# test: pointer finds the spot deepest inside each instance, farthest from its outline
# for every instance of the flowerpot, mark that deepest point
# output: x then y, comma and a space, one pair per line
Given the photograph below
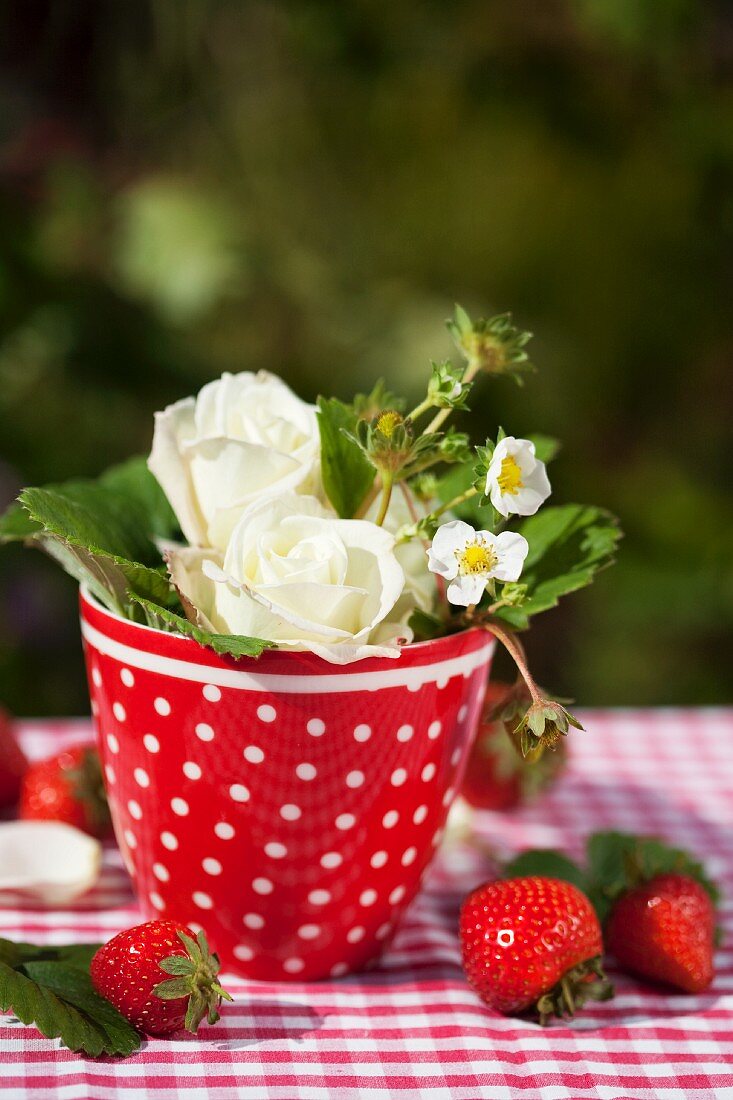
288, 805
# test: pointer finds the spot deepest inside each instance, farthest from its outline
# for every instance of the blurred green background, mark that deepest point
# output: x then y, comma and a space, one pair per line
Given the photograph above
189, 186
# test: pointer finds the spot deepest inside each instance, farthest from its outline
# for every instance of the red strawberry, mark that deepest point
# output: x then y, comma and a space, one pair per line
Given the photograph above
13, 763
497, 777
664, 929
160, 977
67, 787
533, 943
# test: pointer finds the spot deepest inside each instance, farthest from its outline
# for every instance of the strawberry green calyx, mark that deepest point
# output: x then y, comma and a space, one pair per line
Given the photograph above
543, 724
585, 982
193, 976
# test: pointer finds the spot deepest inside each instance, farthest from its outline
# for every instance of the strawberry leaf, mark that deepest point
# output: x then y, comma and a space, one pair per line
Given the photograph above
547, 863
74, 954
60, 1000
347, 474
234, 645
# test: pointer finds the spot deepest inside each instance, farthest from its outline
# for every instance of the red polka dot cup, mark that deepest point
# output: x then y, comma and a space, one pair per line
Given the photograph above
288, 805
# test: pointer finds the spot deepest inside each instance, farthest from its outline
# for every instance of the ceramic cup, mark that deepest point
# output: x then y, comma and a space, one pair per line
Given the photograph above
287, 805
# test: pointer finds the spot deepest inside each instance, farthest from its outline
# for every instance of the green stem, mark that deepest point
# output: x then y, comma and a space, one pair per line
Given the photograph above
420, 409
472, 491
387, 483
516, 651
474, 366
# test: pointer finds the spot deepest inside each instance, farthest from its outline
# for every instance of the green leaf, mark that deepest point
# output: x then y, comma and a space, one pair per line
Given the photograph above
618, 861
232, 644
425, 626
62, 1003
133, 480
547, 863
347, 474
16, 525
568, 545
16, 954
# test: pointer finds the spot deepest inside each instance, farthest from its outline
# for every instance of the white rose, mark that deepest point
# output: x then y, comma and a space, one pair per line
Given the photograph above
244, 437
295, 574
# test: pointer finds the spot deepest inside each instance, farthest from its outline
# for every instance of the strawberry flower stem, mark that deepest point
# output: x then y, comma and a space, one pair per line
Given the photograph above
387, 483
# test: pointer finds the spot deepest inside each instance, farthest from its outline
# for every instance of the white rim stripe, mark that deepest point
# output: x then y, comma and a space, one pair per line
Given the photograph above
411, 678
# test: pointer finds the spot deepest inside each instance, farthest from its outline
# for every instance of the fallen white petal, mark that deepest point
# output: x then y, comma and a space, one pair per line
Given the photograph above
47, 861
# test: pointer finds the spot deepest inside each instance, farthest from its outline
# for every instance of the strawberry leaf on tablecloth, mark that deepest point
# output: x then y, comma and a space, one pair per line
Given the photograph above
546, 863
60, 1000
347, 474
232, 644
16, 954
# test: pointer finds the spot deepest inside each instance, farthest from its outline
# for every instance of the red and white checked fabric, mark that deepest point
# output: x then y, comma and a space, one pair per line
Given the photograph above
412, 1027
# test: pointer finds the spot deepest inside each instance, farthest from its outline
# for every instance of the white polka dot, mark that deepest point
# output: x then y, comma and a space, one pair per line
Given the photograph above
224, 830
162, 706
404, 733
127, 678
211, 866
290, 812
239, 792
362, 733
294, 965
135, 809
211, 692
319, 897
345, 821
191, 770
368, 897
408, 856
112, 743
428, 772
110, 773
179, 806
93, 706
354, 935
397, 895
204, 732
156, 901
119, 712
266, 713
434, 730
390, 819
130, 838
456, 756
339, 969
169, 841
398, 777
275, 850
254, 754
161, 872
379, 859
331, 859
241, 951
438, 837
141, 777
462, 713
195, 927
202, 900
262, 886
448, 796
254, 920
309, 931
306, 771
383, 931
151, 742
96, 677
316, 727
420, 814
355, 779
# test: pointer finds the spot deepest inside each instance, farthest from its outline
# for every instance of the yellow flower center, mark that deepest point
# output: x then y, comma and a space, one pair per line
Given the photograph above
510, 478
388, 421
476, 557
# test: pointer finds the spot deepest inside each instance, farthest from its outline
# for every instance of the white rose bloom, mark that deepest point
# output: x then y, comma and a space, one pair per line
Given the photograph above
295, 574
419, 585
516, 482
469, 559
245, 436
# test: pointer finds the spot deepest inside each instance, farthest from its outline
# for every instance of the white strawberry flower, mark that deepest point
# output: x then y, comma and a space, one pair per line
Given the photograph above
516, 482
469, 559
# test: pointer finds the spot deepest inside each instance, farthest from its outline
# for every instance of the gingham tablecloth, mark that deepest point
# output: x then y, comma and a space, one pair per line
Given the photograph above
412, 1027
